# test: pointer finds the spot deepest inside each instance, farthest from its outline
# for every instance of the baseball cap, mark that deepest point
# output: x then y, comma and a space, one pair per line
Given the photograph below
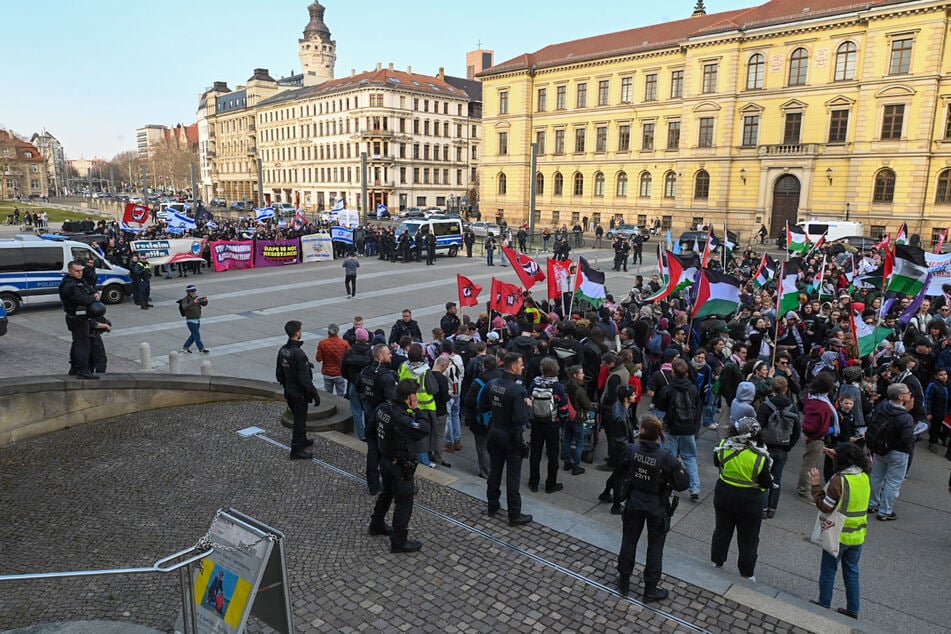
493, 336
835, 341
362, 334
191, 288
792, 315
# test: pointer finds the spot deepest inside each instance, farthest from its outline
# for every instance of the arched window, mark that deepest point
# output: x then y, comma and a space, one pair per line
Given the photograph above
943, 195
670, 185
645, 188
599, 184
559, 184
621, 184
884, 191
756, 72
701, 185
539, 183
845, 57
579, 184
798, 65
503, 183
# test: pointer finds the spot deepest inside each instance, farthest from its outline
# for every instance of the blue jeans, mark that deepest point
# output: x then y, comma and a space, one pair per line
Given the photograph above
334, 383
709, 409
573, 433
194, 336
771, 497
685, 447
888, 471
453, 423
488, 256
357, 410
849, 556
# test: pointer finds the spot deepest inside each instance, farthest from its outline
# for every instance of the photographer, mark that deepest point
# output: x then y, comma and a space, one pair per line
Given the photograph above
191, 306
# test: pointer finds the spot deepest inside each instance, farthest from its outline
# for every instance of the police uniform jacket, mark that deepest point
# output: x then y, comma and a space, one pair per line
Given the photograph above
295, 372
75, 295
399, 428
653, 472
505, 397
377, 384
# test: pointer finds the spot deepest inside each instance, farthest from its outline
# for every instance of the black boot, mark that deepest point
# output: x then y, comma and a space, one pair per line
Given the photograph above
653, 593
623, 584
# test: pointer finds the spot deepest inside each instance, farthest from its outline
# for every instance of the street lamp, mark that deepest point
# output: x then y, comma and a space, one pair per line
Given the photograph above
847, 210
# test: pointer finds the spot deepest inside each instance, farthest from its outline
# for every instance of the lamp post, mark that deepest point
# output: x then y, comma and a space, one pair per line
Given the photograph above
847, 211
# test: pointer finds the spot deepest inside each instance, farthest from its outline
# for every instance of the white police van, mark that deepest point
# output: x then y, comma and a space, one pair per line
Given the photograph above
32, 268
448, 232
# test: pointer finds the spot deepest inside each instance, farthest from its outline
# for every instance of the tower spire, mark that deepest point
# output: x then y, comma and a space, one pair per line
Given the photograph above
318, 53
699, 9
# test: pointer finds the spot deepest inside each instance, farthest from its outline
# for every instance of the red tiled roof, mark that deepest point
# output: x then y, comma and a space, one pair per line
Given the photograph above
667, 34
21, 147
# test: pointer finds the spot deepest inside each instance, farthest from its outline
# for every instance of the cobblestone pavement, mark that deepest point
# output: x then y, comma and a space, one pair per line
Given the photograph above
128, 491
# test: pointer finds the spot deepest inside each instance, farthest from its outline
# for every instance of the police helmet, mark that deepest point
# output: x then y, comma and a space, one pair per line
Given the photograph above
96, 309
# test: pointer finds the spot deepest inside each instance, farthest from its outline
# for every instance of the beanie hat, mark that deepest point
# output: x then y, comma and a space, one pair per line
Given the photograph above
362, 334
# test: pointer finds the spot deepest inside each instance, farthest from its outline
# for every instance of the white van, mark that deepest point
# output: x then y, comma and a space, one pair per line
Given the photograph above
32, 268
834, 229
448, 232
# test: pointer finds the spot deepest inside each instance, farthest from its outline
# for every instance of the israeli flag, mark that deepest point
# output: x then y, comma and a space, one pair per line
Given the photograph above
175, 229
341, 234
180, 220
125, 227
211, 225
264, 213
380, 210
338, 206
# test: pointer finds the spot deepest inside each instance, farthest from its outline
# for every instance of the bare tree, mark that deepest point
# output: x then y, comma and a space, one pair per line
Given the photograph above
125, 168
171, 164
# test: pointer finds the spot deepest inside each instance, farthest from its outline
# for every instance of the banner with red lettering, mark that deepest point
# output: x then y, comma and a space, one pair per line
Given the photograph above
276, 252
232, 254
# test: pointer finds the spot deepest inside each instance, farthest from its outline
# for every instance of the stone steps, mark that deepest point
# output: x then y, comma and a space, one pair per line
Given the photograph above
333, 414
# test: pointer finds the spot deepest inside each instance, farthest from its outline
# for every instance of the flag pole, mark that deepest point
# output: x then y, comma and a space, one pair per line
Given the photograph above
779, 304
574, 284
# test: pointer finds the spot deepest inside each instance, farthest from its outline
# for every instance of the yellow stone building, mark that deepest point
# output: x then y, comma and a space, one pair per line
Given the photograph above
746, 117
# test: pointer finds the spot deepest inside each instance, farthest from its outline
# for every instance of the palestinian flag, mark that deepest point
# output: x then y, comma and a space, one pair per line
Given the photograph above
902, 236
849, 269
681, 271
819, 278
909, 272
731, 240
872, 279
787, 297
819, 243
662, 263
867, 336
796, 239
766, 271
717, 294
884, 244
708, 249
590, 285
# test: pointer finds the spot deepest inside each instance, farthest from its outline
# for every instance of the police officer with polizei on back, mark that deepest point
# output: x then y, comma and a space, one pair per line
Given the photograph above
296, 374
376, 385
400, 425
76, 295
651, 473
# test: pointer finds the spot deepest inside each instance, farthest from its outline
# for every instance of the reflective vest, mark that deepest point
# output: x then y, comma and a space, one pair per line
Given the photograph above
426, 400
740, 468
853, 504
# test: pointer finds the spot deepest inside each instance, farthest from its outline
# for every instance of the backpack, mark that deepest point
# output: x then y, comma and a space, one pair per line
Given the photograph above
682, 407
483, 418
656, 344
543, 403
780, 425
455, 382
181, 307
881, 436
572, 412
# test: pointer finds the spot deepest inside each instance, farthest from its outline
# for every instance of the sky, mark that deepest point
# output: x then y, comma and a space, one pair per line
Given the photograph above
92, 71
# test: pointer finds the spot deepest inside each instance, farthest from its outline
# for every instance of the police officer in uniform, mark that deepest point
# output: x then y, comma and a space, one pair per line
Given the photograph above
431, 249
651, 472
76, 296
142, 277
377, 384
399, 427
296, 374
505, 398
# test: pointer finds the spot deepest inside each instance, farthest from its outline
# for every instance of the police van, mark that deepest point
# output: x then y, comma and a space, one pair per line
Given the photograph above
833, 229
448, 232
32, 268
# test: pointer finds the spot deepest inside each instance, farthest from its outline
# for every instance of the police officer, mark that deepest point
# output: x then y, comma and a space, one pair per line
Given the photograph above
76, 296
505, 398
399, 427
377, 384
468, 239
651, 472
296, 374
430, 248
142, 276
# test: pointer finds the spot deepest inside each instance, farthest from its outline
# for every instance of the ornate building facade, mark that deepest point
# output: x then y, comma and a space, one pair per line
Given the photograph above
753, 116
22, 169
52, 150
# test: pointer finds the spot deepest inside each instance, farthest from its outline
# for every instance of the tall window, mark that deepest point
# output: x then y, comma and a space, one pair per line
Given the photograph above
559, 184
845, 59
892, 122
701, 185
539, 183
624, 135
645, 185
673, 135
647, 138
947, 124
599, 184
943, 195
504, 102
582, 99
503, 183
676, 84
900, 63
710, 77
792, 128
798, 67
884, 189
750, 130
756, 72
561, 95
670, 185
579, 184
579, 139
503, 143
838, 126
540, 141
621, 185
650, 87
559, 141
542, 101
603, 90
627, 84
601, 139
706, 132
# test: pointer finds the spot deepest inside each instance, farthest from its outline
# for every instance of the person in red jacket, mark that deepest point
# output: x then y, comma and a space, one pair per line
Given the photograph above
330, 353
818, 418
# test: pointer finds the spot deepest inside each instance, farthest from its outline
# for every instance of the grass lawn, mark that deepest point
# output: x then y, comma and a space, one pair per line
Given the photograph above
56, 215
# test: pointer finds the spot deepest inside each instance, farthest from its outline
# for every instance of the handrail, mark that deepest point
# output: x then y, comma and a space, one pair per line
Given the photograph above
158, 566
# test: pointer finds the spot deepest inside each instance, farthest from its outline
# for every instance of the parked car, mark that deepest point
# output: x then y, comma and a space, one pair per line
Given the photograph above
219, 202
412, 212
3, 320
239, 205
859, 242
688, 238
483, 229
283, 209
625, 231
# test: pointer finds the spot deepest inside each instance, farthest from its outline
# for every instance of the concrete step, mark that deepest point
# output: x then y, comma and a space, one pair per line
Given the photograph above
333, 414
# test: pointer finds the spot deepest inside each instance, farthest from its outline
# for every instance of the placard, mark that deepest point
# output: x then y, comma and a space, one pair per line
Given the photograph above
232, 254
170, 251
276, 252
316, 248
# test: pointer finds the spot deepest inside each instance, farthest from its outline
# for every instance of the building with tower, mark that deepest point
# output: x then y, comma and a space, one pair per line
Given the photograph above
318, 53
52, 150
